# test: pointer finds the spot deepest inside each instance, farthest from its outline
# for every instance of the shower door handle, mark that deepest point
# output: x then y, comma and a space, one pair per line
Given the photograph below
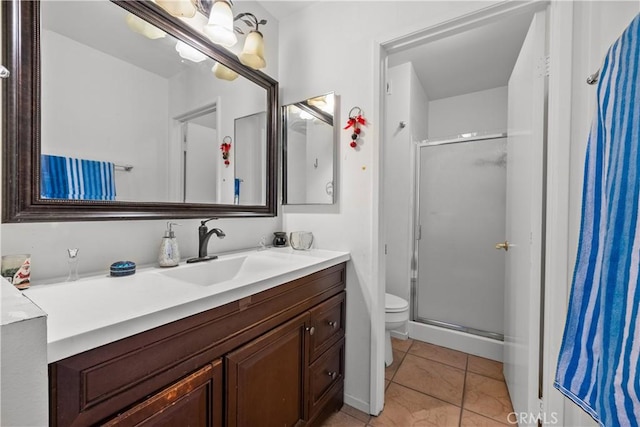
503, 245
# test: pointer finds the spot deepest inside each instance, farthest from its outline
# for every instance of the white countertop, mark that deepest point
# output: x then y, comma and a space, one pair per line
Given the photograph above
99, 310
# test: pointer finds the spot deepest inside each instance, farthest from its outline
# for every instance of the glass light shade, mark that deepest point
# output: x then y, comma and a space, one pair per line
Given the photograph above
141, 26
180, 8
224, 73
219, 29
187, 52
253, 52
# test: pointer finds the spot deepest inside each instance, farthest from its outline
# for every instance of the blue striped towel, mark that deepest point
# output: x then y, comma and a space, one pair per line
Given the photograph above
76, 179
599, 364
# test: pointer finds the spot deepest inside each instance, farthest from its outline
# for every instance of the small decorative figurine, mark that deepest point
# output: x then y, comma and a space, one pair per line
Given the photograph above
226, 147
355, 120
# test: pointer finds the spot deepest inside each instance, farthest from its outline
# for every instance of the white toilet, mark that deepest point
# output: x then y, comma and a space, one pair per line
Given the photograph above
396, 314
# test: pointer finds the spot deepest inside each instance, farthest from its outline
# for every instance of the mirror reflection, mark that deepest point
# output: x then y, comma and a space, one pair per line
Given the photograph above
309, 151
129, 113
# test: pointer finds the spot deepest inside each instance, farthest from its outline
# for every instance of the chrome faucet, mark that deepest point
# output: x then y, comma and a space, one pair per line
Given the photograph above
204, 234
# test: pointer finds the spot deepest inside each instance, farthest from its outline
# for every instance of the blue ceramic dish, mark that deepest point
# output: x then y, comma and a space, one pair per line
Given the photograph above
122, 268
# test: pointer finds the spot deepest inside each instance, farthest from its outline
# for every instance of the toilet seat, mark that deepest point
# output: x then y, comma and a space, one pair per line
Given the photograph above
394, 304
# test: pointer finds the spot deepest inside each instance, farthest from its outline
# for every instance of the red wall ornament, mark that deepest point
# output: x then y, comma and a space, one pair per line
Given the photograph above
226, 147
356, 120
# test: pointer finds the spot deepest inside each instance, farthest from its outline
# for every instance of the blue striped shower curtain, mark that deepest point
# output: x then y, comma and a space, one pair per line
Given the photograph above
598, 366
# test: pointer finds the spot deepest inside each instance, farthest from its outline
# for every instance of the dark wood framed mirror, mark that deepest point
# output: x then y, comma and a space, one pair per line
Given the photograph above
27, 127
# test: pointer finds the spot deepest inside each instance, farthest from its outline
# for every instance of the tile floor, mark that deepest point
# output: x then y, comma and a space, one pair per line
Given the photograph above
428, 385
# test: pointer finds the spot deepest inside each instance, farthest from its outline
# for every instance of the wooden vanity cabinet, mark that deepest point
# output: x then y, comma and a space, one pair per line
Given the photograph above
272, 358
292, 375
194, 401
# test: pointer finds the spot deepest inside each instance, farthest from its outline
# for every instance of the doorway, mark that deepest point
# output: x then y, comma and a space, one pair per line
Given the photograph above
400, 139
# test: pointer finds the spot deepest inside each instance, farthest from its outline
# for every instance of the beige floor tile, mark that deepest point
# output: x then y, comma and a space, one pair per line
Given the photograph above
486, 367
487, 397
454, 358
342, 419
405, 408
390, 371
471, 419
430, 377
402, 345
355, 413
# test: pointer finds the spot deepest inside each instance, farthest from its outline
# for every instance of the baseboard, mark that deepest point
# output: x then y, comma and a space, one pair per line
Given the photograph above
357, 403
400, 335
461, 341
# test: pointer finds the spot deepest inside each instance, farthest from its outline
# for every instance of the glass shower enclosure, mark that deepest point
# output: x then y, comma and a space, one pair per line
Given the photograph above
459, 275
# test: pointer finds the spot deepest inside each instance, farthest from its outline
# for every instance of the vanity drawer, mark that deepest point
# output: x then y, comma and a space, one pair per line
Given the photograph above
327, 320
325, 375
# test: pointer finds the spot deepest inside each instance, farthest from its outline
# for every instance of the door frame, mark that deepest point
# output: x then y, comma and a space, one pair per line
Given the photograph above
558, 161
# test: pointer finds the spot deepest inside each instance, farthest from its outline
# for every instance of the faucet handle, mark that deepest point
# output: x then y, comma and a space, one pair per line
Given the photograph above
204, 221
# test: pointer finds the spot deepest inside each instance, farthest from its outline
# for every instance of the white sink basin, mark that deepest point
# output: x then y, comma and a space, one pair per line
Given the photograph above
207, 273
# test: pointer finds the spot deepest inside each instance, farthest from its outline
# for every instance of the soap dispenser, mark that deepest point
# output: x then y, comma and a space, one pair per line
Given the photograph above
169, 255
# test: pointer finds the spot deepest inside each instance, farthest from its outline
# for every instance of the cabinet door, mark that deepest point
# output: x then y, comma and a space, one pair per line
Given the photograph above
193, 401
266, 379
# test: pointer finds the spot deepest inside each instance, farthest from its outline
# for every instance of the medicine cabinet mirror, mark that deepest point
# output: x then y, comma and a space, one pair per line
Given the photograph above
309, 151
112, 111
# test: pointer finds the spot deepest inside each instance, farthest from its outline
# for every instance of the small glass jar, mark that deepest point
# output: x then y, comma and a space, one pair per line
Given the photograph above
279, 239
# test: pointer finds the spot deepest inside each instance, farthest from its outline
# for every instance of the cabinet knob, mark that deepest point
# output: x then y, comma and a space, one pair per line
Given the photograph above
333, 324
311, 330
333, 375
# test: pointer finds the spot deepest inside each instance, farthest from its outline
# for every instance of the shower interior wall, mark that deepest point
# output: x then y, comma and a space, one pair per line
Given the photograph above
406, 103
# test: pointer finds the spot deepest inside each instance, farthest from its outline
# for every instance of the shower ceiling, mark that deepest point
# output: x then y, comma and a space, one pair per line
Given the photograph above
471, 61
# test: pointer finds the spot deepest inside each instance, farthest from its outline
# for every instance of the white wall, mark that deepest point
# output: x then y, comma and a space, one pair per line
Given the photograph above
484, 111
596, 26
122, 121
326, 47
407, 102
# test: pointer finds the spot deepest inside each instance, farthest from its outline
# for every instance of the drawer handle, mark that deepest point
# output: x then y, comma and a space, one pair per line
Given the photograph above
311, 330
333, 375
333, 324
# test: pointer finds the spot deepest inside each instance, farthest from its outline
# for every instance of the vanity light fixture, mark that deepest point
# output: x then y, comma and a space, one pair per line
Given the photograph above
178, 8
187, 52
220, 28
141, 26
224, 73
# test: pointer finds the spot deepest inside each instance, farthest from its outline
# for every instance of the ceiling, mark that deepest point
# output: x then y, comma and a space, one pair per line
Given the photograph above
470, 61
